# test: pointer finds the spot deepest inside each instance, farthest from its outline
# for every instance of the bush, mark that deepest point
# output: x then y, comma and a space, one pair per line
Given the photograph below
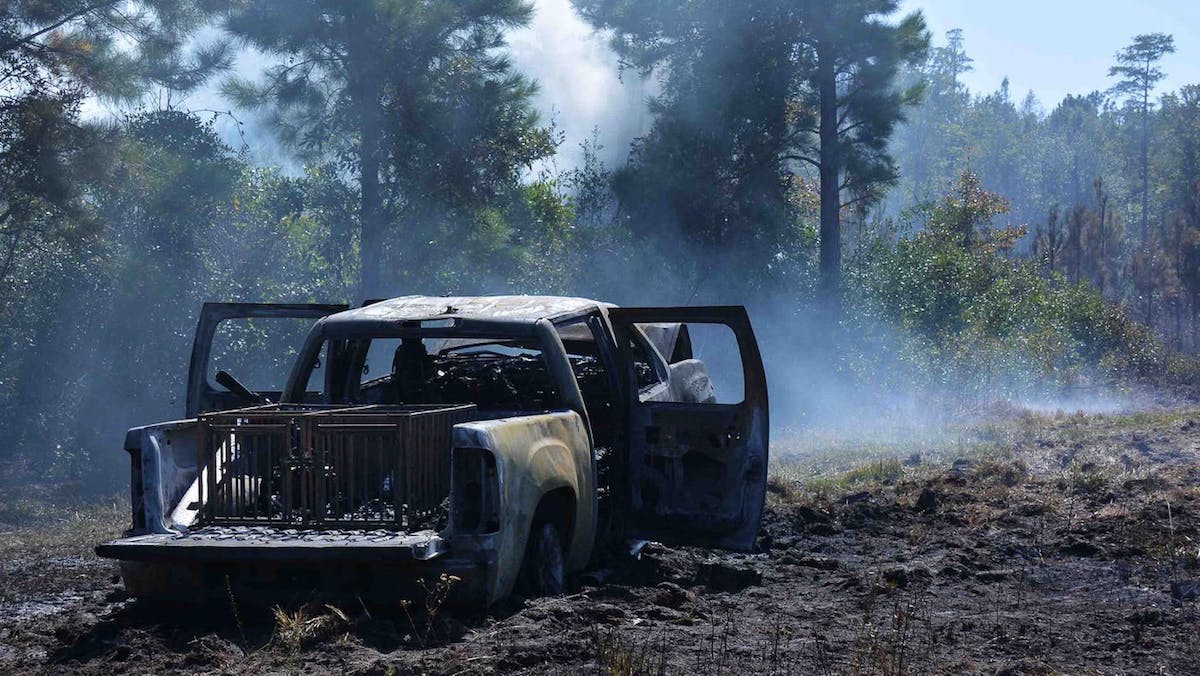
977, 322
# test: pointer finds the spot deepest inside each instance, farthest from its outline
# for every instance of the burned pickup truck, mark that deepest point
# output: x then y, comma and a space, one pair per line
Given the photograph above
502, 440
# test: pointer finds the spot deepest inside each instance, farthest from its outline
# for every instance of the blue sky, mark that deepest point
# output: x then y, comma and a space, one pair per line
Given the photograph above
1059, 47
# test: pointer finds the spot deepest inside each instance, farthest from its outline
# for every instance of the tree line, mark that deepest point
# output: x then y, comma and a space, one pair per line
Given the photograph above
1106, 184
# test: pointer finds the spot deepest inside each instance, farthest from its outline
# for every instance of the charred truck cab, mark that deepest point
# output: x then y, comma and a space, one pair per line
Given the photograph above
500, 440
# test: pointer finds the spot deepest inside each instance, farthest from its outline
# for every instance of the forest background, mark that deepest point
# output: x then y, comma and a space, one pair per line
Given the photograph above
910, 249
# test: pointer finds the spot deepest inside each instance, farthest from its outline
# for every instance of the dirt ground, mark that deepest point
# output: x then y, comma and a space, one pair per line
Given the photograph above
1037, 544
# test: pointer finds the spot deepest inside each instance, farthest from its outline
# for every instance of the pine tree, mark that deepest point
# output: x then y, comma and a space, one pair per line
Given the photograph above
755, 94
855, 55
1137, 67
386, 88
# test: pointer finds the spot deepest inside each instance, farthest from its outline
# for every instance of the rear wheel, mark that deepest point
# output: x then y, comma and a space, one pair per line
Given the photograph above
542, 571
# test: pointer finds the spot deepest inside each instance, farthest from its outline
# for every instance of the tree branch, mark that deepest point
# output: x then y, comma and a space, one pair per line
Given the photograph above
9, 46
846, 130
861, 198
802, 158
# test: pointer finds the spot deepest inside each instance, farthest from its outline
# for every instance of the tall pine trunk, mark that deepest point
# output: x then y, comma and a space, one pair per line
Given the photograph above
1146, 244
1145, 166
367, 98
370, 215
830, 170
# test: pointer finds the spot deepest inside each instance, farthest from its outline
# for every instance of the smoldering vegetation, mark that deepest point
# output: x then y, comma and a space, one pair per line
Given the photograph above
957, 294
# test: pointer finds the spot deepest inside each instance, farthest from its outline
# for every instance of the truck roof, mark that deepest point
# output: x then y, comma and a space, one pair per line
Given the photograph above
516, 309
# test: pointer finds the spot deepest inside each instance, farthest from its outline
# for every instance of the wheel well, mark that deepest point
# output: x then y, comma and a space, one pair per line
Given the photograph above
557, 508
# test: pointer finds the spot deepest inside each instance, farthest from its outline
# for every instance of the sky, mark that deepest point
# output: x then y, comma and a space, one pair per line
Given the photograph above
1060, 47
1050, 47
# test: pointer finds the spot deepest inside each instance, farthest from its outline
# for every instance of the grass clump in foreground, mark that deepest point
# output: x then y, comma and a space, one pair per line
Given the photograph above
304, 626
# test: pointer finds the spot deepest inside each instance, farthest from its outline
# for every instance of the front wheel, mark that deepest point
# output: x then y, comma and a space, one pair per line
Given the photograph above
542, 570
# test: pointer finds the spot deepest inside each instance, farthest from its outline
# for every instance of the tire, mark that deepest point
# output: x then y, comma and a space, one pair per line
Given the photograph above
542, 571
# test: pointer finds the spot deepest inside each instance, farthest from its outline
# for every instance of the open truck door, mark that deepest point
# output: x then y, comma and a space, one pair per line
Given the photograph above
214, 381
697, 466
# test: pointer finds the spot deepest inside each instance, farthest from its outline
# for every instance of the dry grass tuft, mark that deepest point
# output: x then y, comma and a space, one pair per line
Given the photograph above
300, 628
618, 655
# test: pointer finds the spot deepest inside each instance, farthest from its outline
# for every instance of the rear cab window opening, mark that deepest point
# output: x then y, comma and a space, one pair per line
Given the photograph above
498, 373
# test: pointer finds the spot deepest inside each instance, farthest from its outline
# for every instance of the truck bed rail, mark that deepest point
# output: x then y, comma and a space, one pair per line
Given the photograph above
306, 466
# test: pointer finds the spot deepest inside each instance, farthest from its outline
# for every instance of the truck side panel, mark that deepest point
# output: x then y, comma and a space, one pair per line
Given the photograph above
165, 457
536, 454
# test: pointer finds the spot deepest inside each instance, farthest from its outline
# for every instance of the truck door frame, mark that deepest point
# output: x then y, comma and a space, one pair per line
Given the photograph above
664, 500
202, 397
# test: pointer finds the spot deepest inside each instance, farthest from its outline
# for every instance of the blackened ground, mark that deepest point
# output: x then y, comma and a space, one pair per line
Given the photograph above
1037, 545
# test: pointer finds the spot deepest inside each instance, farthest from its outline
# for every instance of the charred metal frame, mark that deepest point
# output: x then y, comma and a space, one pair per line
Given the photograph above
664, 498
200, 392
310, 466
309, 484
542, 332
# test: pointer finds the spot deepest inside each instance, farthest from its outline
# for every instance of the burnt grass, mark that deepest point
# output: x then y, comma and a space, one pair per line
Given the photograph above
1036, 544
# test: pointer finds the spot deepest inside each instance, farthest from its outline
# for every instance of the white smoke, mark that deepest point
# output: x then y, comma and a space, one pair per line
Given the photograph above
582, 86
582, 90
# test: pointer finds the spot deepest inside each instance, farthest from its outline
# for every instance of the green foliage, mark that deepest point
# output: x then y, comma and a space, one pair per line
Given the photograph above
979, 323
100, 336
1105, 182
53, 165
420, 103
53, 53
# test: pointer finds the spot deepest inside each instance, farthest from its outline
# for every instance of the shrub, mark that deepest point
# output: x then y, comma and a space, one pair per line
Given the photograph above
978, 323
